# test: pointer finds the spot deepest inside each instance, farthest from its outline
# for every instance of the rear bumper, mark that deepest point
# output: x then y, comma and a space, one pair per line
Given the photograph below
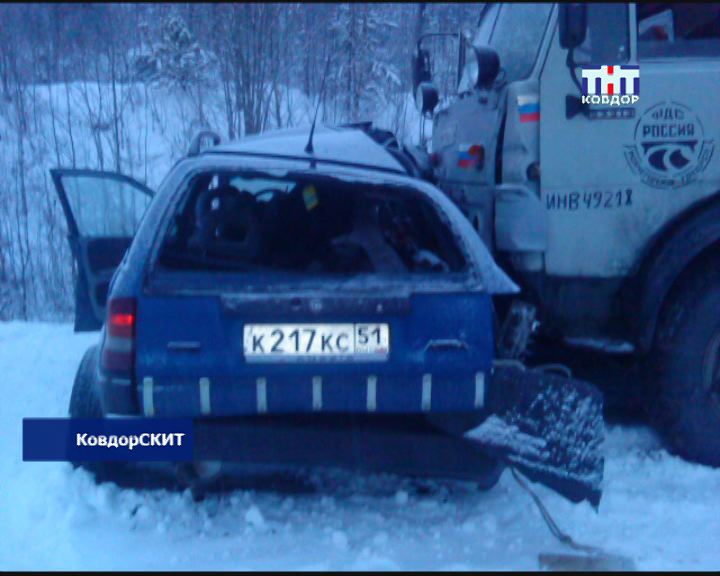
353, 393
117, 396
549, 427
359, 393
405, 445
256, 447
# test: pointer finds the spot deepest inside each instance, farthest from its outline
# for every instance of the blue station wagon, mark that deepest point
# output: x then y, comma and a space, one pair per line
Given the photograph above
270, 285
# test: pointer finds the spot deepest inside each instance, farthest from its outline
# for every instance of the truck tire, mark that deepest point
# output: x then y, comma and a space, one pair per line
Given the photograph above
85, 403
685, 369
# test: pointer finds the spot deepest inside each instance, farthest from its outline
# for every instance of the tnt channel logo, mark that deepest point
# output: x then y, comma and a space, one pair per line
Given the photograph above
613, 85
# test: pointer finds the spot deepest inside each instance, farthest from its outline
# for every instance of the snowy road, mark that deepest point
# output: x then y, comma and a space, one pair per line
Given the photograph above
656, 509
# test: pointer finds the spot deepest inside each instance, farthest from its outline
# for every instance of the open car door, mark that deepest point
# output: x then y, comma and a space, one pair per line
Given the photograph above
103, 211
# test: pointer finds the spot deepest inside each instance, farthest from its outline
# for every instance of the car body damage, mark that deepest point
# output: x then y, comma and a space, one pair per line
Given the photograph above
268, 287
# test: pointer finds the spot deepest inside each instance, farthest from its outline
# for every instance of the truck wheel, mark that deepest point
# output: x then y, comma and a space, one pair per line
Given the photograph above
685, 371
85, 403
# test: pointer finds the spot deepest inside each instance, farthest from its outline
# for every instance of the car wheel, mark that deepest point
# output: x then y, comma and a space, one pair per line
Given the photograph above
85, 403
685, 370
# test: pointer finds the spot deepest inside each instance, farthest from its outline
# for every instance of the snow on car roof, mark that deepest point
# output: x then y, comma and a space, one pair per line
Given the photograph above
349, 146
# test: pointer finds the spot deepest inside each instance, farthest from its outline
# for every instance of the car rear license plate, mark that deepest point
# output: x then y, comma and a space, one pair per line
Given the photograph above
263, 342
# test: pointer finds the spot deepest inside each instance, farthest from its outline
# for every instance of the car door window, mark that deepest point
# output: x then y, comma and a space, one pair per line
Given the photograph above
103, 210
105, 207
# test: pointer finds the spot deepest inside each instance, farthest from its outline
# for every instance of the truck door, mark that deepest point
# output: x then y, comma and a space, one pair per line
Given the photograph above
585, 184
103, 211
614, 174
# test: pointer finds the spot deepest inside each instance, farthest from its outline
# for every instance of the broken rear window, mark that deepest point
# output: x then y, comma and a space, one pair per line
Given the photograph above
307, 225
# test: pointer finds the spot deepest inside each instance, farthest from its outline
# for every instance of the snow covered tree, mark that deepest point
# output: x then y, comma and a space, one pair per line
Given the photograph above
177, 58
364, 33
125, 86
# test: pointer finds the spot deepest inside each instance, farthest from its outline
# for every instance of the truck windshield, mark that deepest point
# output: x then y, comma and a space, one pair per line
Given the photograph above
515, 35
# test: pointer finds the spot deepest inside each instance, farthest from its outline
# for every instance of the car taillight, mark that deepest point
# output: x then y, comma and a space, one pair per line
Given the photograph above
118, 354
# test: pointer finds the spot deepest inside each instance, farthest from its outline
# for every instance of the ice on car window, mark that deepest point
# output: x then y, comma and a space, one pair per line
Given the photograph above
310, 226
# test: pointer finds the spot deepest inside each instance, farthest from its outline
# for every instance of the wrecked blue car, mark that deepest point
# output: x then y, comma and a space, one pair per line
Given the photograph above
312, 304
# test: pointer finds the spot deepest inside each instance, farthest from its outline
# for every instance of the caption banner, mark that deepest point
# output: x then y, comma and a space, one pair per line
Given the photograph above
111, 439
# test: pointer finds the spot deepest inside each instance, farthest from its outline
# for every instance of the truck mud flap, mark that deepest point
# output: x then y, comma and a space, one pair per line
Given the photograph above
549, 427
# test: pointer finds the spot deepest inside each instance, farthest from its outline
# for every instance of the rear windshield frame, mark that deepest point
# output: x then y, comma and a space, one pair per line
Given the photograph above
160, 277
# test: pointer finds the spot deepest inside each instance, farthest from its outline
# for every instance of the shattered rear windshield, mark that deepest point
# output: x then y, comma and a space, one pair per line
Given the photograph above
309, 226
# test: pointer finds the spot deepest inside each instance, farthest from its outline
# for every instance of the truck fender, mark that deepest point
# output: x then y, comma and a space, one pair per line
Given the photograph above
521, 221
678, 245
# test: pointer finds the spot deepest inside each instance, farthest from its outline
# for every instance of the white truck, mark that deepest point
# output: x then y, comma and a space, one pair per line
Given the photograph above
581, 145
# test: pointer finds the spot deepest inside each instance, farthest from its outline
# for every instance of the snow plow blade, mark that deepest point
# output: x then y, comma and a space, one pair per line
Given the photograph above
547, 426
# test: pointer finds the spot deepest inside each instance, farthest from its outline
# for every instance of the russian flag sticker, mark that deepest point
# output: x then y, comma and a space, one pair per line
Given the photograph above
528, 108
471, 156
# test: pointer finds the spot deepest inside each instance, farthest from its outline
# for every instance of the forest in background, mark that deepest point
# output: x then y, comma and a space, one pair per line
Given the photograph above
124, 87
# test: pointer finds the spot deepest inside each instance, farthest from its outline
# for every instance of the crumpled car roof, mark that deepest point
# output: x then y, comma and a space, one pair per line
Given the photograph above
338, 145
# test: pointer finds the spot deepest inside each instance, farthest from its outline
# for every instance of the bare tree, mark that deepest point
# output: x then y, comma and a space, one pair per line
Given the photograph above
79, 86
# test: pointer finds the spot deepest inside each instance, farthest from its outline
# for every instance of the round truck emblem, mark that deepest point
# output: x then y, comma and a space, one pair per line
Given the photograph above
669, 150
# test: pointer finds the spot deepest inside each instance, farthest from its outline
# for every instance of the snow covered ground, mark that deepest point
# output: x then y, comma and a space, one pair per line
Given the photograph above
657, 509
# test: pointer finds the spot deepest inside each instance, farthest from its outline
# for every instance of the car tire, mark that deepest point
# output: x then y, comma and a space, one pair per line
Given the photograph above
85, 403
84, 400
684, 371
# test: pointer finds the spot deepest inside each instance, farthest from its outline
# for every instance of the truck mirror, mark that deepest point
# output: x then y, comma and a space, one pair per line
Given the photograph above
572, 21
420, 67
426, 98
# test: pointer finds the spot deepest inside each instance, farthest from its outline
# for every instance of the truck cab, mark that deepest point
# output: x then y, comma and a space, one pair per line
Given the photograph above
581, 144
571, 196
